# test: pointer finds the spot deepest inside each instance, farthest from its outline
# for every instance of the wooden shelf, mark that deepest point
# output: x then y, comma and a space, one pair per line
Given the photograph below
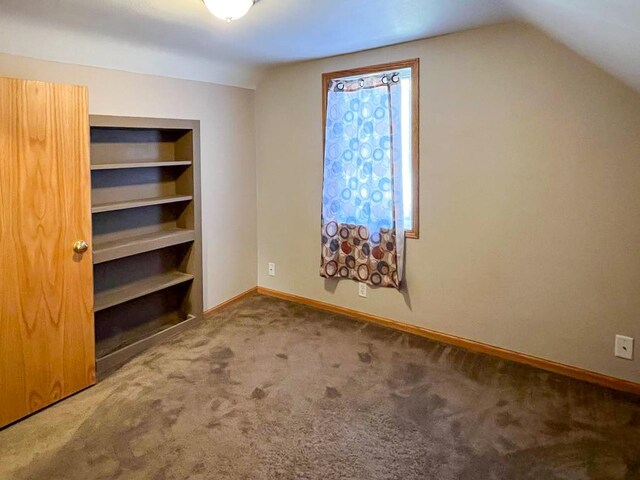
143, 202
127, 348
116, 296
117, 166
114, 249
147, 254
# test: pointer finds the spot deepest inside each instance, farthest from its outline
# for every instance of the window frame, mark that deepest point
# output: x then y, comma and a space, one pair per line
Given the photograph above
414, 64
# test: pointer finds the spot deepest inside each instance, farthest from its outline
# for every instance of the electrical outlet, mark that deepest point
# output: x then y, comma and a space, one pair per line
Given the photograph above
362, 289
272, 269
624, 347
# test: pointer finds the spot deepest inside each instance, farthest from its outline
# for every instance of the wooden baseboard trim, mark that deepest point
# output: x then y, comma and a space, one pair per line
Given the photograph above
229, 302
544, 364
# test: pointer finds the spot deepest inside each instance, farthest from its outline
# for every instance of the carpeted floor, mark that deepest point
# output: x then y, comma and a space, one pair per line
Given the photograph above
272, 390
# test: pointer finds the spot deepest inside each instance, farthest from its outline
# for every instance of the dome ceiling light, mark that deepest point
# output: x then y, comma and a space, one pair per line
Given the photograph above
229, 10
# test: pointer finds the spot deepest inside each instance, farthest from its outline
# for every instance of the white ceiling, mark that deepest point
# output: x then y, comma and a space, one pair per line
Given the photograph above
179, 38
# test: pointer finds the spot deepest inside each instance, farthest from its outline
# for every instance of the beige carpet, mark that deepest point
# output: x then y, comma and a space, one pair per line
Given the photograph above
272, 390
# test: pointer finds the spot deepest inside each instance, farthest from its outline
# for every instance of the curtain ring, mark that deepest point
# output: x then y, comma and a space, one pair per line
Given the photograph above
340, 86
395, 78
385, 79
362, 82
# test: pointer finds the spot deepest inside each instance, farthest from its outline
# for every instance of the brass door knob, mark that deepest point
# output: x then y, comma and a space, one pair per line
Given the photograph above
80, 246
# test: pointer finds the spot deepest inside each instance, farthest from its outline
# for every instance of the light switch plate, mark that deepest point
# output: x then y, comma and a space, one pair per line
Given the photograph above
624, 347
362, 289
272, 269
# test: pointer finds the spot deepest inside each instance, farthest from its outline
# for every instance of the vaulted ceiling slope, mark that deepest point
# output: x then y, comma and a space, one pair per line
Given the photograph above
179, 38
605, 31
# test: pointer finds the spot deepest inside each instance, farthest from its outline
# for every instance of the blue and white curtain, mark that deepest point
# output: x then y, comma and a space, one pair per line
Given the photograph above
362, 211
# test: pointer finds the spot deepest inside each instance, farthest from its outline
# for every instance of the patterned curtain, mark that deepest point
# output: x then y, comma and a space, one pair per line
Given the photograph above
362, 214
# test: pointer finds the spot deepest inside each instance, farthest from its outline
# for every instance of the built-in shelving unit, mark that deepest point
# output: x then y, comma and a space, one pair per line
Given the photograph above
145, 188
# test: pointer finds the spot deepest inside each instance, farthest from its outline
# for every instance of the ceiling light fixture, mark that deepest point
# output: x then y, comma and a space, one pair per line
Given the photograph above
229, 10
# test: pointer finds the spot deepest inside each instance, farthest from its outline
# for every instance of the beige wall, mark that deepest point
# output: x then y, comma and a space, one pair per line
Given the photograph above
228, 154
530, 196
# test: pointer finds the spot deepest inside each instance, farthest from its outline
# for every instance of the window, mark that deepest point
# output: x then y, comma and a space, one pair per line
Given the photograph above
409, 117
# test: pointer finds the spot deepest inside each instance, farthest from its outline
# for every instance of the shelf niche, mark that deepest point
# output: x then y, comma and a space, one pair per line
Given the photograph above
146, 233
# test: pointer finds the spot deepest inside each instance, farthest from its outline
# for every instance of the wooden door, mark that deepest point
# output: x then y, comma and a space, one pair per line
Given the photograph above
46, 289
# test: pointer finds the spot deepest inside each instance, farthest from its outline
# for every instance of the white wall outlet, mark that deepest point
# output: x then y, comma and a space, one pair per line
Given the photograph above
272, 269
362, 289
624, 347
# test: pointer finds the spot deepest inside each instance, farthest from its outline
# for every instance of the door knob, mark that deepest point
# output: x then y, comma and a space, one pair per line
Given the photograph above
80, 246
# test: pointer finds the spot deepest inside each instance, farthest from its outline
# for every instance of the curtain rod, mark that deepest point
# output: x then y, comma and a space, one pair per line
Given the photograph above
395, 78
